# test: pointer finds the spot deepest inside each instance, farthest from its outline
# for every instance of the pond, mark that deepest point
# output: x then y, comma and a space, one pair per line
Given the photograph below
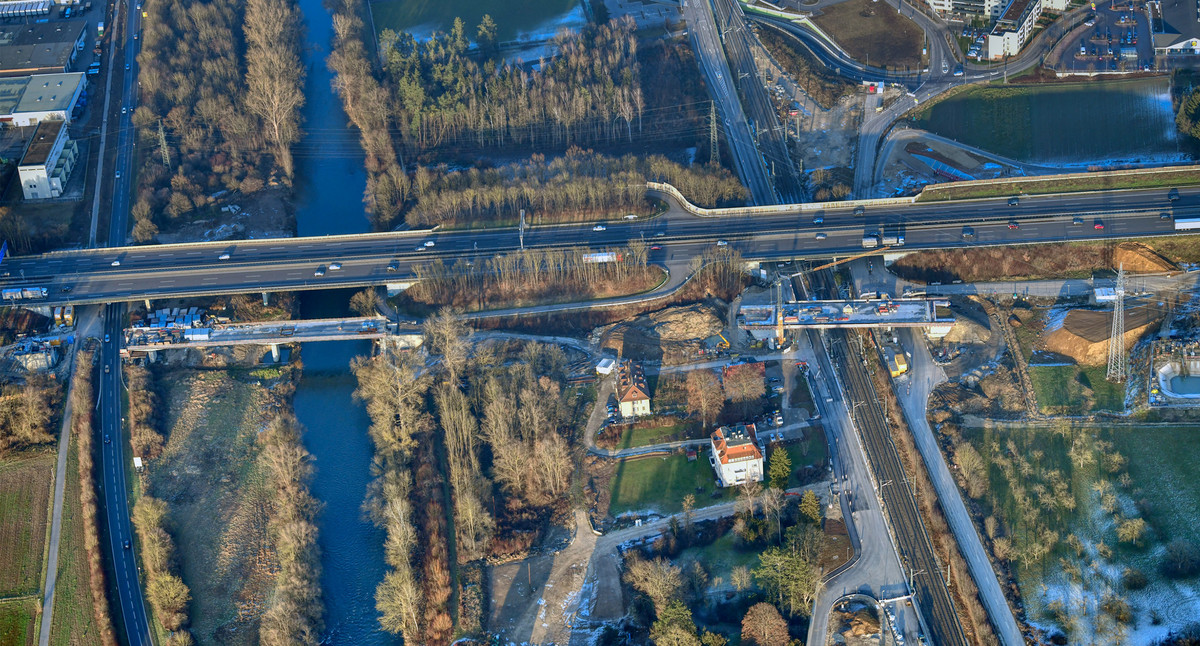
1125, 121
525, 20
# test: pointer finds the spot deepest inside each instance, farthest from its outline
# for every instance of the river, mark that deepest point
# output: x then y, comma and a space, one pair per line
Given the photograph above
330, 181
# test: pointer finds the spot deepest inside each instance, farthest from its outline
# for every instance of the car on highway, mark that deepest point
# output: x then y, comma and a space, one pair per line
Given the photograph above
1013, 225
817, 221
599, 227
126, 544
107, 369
394, 265
660, 234
106, 338
429, 243
656, 247
1013, 201
945, 67
118, 174
1098, 225
722, 243
116, 263
821, 236
968, 233
223, 256
1164, 216
320, 271
66, 289
124, 110
1173, 194
958, 71
126, 67
107, 439
334, 266
1077, 221
859, 210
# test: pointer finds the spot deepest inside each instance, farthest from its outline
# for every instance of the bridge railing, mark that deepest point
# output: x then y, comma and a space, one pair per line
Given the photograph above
777, 209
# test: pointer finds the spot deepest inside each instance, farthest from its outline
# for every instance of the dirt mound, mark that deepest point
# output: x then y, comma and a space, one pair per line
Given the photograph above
1084, 334
1139, 258
694, 322
967, 331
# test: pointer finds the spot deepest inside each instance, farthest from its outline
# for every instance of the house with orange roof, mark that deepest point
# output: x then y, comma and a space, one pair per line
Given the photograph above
735, 456
633, 396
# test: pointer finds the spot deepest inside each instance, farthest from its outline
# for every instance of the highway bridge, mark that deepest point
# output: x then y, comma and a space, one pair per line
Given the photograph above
248, 266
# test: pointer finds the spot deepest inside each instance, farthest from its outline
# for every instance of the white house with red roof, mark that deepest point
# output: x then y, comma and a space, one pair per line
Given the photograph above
736, 456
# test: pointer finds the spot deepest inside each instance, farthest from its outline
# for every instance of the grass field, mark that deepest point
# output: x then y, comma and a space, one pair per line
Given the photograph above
1167, 477
721, 556
632, 437
74, 621
873, 33
657, 483
17, 622
1075, 390
214, 485
816, 451
1049, 184
801, 396
25, 489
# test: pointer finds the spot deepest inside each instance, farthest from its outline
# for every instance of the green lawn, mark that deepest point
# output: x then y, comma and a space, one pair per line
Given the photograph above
1163, 464
661, 484
17, 622
801, 395
1074, 390
632, 437
25, 490
817, 452
720, 556
73, 618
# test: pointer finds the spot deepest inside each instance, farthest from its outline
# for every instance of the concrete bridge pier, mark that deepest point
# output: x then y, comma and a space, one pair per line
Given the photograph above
267, 300
274, 346
148, 307
151, 356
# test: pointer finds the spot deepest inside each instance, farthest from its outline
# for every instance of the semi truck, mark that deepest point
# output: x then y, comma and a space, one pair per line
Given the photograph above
23, 293
1187, 224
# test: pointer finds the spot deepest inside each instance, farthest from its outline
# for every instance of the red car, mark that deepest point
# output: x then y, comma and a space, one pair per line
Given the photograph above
656, 248
1098, 225
1013, 225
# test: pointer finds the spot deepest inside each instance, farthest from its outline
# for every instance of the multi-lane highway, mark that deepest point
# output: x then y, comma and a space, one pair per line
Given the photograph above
291, 264
706, 41
133, 623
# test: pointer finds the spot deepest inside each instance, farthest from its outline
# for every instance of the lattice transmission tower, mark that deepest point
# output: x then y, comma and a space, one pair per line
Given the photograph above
1118, 362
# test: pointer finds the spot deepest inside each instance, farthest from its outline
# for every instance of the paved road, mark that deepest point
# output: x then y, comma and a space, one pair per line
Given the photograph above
877, 569
130, 605
706, 42
86, 321
770, 138
289, 264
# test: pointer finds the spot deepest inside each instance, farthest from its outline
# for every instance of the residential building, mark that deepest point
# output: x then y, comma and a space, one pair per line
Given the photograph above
735, 455
1012, 30
989, 9
48, 161
633, 396
41, 47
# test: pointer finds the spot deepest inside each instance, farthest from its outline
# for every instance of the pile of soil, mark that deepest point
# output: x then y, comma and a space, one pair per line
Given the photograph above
967, 331
1084, 334
1139, 258
670, 335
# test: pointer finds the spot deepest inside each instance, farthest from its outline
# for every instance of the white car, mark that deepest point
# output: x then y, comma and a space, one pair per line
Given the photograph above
429, 243
599, 227
821, 236
722, 243
631, 217
334, 266
116, 263
223, 256
320, 271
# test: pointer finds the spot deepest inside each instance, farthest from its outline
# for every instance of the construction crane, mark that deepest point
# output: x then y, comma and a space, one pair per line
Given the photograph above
873, 252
